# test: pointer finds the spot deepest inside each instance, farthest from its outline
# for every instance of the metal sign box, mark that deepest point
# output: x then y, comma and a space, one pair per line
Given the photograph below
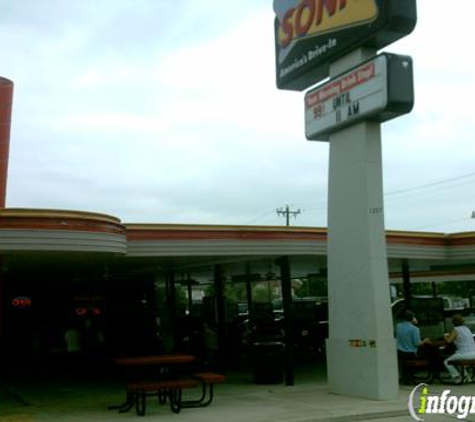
379, 89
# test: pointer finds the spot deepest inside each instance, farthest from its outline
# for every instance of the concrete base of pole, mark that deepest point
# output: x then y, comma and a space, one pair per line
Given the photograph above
363, 371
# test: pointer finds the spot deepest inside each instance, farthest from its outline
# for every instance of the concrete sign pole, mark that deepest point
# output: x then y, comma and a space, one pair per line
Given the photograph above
361, 350
312, 39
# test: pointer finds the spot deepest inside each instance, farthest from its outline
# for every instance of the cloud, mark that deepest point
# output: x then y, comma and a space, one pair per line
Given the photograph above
168, 111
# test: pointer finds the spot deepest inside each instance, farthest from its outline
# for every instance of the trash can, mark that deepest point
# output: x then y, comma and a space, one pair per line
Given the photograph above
268, 362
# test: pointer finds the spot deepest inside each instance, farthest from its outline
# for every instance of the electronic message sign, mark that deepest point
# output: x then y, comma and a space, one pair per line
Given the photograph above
309, 34
379, 89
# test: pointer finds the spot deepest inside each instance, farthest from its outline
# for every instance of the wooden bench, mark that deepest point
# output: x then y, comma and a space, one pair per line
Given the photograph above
138, 392
465, 366
207, 381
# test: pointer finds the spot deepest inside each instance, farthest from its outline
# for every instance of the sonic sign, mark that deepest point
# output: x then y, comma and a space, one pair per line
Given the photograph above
309, 34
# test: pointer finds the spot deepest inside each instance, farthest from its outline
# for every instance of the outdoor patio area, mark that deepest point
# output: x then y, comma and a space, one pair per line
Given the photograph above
237, 400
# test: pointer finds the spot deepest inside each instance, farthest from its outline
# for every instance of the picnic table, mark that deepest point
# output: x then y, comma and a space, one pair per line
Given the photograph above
160, 375
164, 376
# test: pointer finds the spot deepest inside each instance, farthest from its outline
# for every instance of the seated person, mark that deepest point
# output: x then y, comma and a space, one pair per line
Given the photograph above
408, 339
462, 338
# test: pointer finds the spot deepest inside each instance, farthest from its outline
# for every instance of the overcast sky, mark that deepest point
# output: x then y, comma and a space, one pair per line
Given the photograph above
166, 111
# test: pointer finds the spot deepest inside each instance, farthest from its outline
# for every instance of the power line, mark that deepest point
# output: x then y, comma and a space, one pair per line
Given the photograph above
315, 207
260, 216
428, 185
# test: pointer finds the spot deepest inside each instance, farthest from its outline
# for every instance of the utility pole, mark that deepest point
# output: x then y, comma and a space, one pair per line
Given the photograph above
287, 212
